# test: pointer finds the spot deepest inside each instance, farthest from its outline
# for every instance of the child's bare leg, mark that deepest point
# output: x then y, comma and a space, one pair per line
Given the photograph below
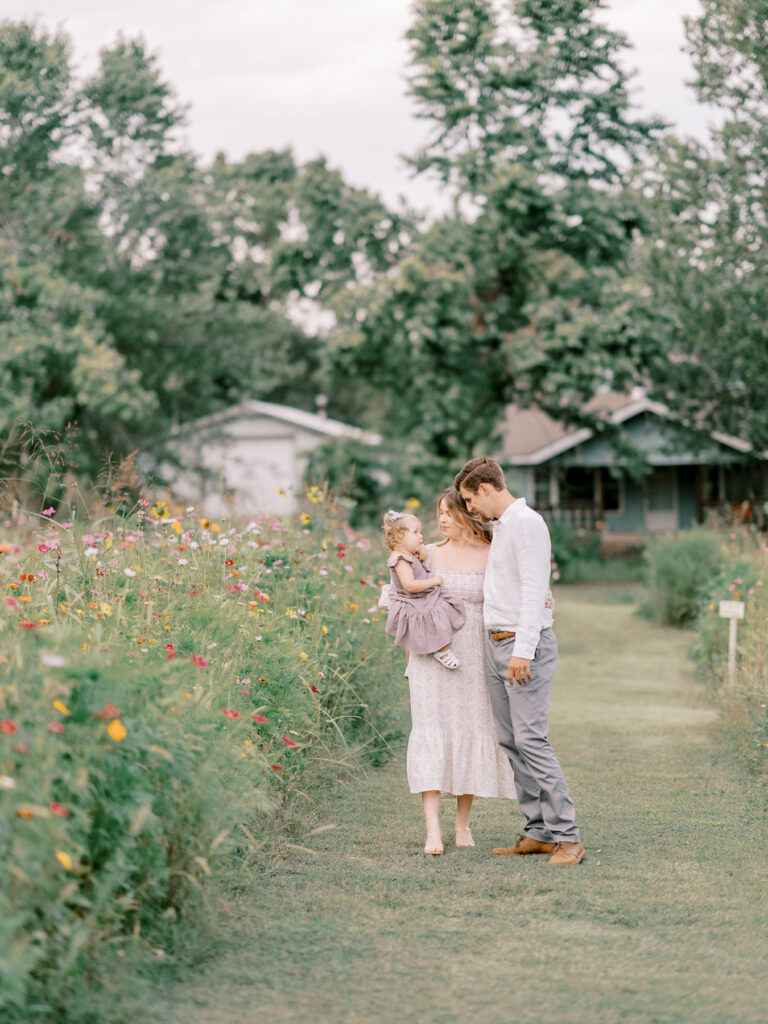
463, 807
430, 801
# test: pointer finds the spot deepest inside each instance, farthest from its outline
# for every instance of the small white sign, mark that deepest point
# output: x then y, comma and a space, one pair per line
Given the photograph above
731, 609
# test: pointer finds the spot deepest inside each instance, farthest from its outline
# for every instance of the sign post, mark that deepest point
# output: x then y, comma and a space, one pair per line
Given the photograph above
732, 610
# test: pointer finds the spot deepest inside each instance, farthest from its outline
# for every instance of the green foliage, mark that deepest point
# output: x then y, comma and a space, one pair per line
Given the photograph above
173, 692
507, 298
704, 260
141, 288
680, 571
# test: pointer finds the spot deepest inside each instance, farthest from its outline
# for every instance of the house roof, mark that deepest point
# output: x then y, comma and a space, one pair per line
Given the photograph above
252, 409
530, 436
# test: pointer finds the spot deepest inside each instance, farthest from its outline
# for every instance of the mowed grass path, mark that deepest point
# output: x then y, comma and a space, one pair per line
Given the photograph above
665, 921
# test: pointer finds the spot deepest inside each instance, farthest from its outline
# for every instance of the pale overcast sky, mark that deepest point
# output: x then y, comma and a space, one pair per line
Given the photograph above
327, 76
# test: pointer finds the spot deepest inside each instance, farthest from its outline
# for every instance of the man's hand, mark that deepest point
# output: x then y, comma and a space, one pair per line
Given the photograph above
519, 671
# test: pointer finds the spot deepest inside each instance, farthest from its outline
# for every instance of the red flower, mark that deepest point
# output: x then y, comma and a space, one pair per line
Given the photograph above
290, 742
170, 652
244, 692
108, 711
314, 689
199, 660
259, 718
61, 811
277, 767
26, 624
230, 713
7, 727
55, 727
229, 562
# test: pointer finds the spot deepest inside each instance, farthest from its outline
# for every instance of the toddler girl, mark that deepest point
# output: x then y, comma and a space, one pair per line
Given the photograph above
420, 617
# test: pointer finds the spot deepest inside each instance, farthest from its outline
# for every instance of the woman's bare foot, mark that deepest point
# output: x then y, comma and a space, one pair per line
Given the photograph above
464, 836
434, 844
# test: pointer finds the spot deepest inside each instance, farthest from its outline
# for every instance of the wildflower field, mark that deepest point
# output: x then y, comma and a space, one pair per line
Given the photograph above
174, 691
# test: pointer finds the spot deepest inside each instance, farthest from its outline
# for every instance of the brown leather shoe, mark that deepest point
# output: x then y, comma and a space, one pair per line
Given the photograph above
524, 846
566, 854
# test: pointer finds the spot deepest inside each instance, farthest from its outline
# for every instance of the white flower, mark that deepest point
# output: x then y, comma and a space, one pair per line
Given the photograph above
182, 561
6, 782
129, 572
53, 660
90, 552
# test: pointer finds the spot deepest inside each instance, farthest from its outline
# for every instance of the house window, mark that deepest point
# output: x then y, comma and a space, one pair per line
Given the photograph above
542, 494
577, 487
611, 488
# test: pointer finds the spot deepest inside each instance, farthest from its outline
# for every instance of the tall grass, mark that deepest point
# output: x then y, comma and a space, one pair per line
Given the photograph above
172, 690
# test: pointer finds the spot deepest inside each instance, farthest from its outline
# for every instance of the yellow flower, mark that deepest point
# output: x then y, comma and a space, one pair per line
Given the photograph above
62, 708
325, 631
413, 503
176, 526
117, 730
64, 859
303, 656
306, 518
281, 492
315, 495
105, 608
215, 527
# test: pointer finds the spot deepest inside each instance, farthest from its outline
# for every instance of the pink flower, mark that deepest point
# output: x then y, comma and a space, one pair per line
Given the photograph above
290, 742
49, 511
58, 809
199, 660
43, 548
230, 713
8, 728
108, 711
259, 718
55, 727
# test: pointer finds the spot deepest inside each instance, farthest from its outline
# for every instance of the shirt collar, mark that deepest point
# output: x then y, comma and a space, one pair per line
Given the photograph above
512, 510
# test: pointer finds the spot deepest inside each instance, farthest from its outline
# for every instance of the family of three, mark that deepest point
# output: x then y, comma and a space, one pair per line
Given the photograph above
474, 613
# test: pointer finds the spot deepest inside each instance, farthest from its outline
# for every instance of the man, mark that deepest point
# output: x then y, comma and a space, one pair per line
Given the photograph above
521, 655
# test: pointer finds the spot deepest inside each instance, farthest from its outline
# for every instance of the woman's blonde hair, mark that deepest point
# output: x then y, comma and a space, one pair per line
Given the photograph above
457, 510
394, 526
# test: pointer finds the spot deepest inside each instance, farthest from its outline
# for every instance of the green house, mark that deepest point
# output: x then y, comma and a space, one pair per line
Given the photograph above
574, 474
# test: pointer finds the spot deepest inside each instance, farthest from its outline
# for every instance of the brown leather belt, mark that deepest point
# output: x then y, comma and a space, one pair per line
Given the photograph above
501, 634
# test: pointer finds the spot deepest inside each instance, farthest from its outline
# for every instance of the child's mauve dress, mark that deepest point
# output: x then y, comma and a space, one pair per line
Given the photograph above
425, 622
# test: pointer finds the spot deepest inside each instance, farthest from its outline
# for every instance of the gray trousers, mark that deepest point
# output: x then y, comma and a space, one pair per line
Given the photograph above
521, 714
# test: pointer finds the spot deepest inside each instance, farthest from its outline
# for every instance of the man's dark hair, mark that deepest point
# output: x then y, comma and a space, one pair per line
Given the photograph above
479, 471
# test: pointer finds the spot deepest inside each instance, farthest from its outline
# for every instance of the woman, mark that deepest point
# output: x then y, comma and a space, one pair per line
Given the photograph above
452, 748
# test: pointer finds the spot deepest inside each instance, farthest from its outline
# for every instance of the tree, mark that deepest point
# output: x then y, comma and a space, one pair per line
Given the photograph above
140, 287
706, 259
533, 136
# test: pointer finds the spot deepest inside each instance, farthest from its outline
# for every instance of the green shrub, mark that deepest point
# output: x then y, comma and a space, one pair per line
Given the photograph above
679, 572
170, 690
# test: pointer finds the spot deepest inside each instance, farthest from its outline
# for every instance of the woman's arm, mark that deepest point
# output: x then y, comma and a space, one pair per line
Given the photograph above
411, 585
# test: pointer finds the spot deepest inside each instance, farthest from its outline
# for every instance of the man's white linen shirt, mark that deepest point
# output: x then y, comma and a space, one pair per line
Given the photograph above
517, 577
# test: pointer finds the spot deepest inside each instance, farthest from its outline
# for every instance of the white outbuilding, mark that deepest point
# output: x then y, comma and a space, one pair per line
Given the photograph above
246, 460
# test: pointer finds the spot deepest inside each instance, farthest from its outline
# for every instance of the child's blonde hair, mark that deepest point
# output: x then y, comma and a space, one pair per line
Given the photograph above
394, 526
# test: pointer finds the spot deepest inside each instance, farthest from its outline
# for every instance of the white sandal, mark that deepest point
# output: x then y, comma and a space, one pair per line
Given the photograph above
468, 835
446, 658
434, 849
